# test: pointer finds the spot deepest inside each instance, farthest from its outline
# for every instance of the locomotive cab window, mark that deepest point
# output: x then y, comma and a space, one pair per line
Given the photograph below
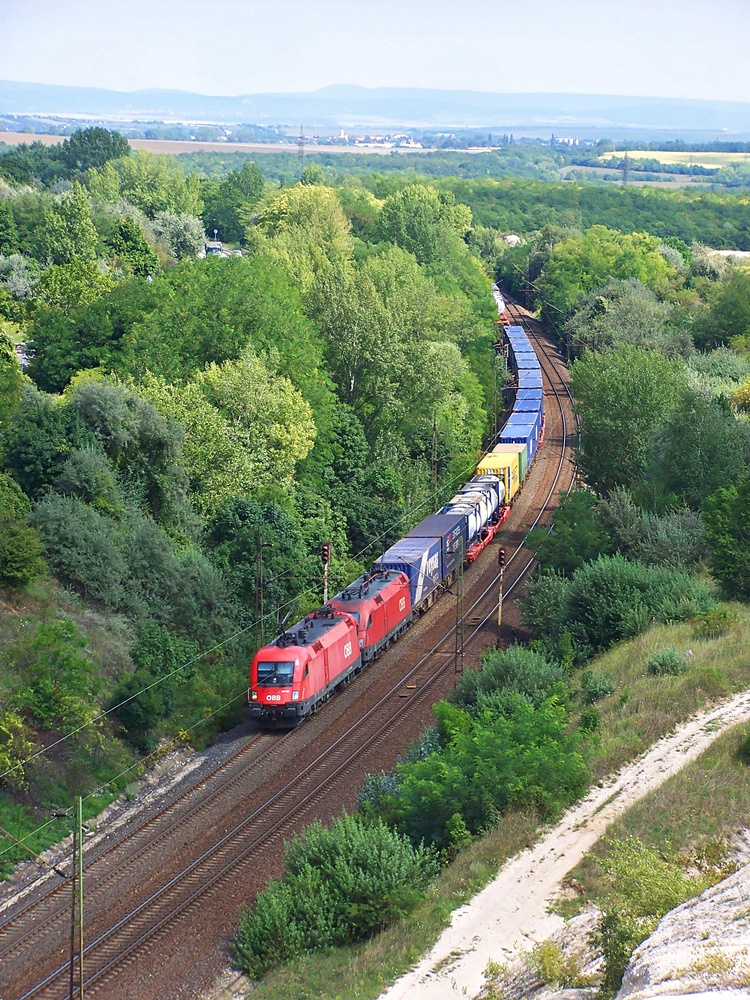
275, 673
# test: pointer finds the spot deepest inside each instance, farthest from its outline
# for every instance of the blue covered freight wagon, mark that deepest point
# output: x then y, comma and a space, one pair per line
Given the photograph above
521, 434
452, 531
419, 559
529, 380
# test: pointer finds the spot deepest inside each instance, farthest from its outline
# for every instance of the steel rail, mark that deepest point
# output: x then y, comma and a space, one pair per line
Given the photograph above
208, 880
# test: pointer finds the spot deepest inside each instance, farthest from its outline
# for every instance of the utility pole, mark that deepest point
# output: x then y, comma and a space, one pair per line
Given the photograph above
325, 555
459, 660
434, 455
527, 289
300, 152
625, 169
76, 909
501, 567
261, 585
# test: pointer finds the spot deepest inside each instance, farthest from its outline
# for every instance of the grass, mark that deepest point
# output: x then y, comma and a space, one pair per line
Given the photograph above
366, 969
642, 709
80, 764
698, 809
709, 159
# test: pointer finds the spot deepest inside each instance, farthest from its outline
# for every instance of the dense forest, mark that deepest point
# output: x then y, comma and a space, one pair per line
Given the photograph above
179, 433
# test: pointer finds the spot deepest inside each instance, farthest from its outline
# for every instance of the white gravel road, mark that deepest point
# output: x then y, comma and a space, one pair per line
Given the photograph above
510, 914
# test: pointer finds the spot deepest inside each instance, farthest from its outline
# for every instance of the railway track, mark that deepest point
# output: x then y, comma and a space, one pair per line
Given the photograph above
33, 939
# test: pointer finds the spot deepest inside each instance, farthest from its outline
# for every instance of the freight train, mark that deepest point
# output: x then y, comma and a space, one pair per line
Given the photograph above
291, 677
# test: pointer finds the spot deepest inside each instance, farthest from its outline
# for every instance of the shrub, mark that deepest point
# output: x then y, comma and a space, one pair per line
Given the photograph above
15, 748
612, 599
524, 757
83, 548
14, 503
509, 672
643, 887
595, 685
590, 719
341, 884
713, 624
554, 968
666, 662
58, 681
88, 475
20, 554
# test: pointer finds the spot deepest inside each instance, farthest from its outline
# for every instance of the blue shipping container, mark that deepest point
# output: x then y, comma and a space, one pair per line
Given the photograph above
530, 380
419, 559
528, 405
529, 394
452, 530
521, 434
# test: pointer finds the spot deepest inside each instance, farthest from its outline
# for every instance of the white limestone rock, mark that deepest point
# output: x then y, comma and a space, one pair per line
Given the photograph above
701, 948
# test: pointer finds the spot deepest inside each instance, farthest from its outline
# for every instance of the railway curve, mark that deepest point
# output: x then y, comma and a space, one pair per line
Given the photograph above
170, 890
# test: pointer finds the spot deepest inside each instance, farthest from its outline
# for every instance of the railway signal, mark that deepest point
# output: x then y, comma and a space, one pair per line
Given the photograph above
501, 567
325, 555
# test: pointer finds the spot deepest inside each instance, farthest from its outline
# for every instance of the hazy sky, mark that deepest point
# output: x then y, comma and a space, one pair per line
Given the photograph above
665, 48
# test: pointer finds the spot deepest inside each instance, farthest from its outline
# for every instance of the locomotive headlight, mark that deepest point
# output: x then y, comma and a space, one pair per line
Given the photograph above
295, 695
253, 696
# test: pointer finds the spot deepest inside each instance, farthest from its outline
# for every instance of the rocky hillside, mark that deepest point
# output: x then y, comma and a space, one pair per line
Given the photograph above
700, 949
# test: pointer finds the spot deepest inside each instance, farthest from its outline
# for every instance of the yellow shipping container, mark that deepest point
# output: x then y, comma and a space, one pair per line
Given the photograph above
504, 465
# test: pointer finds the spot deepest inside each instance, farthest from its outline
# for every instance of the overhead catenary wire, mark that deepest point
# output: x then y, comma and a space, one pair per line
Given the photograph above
136, 764
429, 499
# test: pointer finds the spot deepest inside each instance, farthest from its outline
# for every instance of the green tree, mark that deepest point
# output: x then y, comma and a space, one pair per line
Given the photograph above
223, 200
20, 548
580, 264
426, 222
729, 316
244, 428
233, 538
576, 535
726, 515
701, 447
92, 147
21, 558
11, 381
8, 230
35, 442
76, 283
131, 249
305, 231
69, 232
156, 183
624, 312
180, 232
621, 397
210, 311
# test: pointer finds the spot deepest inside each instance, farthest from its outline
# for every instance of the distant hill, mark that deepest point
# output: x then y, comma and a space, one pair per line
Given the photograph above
351, 106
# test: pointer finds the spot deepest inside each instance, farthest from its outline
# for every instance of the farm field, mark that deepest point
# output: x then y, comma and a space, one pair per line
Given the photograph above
697, 159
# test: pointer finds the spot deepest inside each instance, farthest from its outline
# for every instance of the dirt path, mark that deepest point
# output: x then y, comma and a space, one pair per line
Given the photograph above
511, 912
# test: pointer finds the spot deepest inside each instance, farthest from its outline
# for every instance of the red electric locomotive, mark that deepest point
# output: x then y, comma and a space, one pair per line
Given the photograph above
380, 603
301, 669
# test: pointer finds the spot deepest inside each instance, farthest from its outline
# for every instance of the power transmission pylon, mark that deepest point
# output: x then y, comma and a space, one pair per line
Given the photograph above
300, 152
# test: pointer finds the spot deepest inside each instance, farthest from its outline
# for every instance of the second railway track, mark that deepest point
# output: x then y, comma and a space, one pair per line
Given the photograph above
363, 729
